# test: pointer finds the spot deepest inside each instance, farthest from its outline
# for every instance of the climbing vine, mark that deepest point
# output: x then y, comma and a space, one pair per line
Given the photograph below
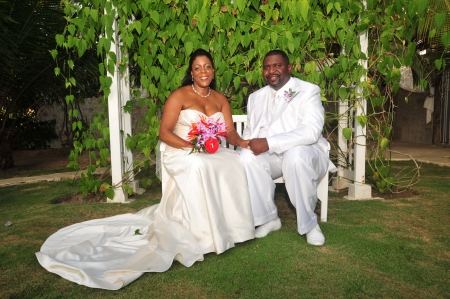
322, 39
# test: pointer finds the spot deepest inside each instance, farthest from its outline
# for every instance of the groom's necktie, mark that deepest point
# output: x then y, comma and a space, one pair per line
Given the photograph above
275, 102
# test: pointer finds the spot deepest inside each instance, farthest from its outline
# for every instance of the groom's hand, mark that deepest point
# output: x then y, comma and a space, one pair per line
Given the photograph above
258, 146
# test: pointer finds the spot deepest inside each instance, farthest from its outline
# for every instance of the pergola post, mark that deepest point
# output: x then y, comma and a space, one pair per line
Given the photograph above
343, 173
119, 126
358, 188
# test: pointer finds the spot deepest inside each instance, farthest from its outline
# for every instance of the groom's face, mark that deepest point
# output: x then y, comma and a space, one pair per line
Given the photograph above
276, 71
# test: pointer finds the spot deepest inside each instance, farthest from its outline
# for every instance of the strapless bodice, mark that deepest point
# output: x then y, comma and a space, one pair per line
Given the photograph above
188, 117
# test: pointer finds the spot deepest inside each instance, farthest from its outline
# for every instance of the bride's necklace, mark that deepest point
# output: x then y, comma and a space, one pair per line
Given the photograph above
209, 92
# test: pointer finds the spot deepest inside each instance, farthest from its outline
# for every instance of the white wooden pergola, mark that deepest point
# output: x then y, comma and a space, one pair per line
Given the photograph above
119, 127
351, 176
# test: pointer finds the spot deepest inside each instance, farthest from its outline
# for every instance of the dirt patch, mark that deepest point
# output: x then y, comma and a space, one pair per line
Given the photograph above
44, 159
386, 196
392, 196
79, 198
36, 162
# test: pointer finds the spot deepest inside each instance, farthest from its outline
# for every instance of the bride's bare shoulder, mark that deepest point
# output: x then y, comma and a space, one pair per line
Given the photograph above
181, 91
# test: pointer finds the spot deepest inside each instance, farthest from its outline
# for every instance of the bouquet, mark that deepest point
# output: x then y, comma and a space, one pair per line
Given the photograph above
206, 135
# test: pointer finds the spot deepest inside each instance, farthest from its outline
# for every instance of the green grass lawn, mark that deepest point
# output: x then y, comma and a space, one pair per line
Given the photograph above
396, 248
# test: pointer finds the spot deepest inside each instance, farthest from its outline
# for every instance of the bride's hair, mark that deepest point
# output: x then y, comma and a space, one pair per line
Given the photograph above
188, 77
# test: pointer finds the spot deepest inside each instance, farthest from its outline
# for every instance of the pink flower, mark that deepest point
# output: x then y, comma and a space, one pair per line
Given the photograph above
289, 95
206, 135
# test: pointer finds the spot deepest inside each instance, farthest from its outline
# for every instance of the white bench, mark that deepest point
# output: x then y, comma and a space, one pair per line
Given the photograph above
239, 123
322, 188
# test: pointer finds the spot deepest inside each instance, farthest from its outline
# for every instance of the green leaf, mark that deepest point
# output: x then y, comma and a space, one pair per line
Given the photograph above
129, 189
432, 33
438, 64
384, 143
59, 40
310, 66
347, 133
155, 16
84, 190
274, 37
304, 9
422, 6
70, 63
343, 93
71, 28
445, 38
72, 81
101, 143
94, 14
109, 193
104, 154
189, 47
329, 7
439, 19
237, 82
57, 71
343, 62
362, 120
54, 53
136, 232
337, 5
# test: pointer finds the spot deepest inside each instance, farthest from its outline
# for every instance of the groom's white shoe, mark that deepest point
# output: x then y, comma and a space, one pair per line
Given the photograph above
315, 236
268, 227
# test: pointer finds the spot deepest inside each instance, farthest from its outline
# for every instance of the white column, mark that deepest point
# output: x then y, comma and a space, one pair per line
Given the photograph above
358, 189
127, 154
116, 126
344, 172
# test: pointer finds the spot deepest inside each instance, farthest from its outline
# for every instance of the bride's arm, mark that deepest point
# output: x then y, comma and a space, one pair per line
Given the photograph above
232, 136
172, 109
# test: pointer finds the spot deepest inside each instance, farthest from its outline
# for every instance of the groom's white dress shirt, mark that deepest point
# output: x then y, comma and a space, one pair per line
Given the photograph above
297, 150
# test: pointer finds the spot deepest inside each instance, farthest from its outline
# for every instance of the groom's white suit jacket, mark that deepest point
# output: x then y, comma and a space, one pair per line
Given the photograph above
296, 122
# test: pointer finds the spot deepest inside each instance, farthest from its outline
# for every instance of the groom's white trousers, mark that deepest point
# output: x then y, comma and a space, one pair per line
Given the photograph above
302, 167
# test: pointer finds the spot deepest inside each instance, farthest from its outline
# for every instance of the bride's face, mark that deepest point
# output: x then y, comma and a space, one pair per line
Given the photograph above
202, 71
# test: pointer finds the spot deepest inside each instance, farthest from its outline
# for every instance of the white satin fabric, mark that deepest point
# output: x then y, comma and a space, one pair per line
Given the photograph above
297, 150
205, 207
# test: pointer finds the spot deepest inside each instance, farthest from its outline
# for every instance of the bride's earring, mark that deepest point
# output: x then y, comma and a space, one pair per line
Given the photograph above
192, 78
213, 75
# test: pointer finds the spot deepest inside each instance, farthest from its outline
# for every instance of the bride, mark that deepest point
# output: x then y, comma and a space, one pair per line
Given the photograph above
204, 207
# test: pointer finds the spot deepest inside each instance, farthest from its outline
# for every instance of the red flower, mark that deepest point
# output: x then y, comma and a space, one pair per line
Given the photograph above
193, 132
211, 145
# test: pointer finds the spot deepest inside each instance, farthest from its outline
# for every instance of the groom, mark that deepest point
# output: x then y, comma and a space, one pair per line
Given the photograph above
284, 125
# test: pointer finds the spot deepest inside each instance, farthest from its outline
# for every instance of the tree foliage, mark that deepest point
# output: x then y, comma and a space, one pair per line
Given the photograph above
322, 39
27, 78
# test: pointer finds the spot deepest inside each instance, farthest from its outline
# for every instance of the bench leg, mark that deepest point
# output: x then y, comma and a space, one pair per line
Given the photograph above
322, 194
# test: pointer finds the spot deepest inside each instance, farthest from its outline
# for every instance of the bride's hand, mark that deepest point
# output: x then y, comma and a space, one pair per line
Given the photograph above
244, 143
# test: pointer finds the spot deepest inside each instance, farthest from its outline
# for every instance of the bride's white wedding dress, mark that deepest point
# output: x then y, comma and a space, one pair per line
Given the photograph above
204, 208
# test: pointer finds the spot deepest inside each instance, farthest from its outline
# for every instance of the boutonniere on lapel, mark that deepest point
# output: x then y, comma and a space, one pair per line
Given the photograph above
290, 94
